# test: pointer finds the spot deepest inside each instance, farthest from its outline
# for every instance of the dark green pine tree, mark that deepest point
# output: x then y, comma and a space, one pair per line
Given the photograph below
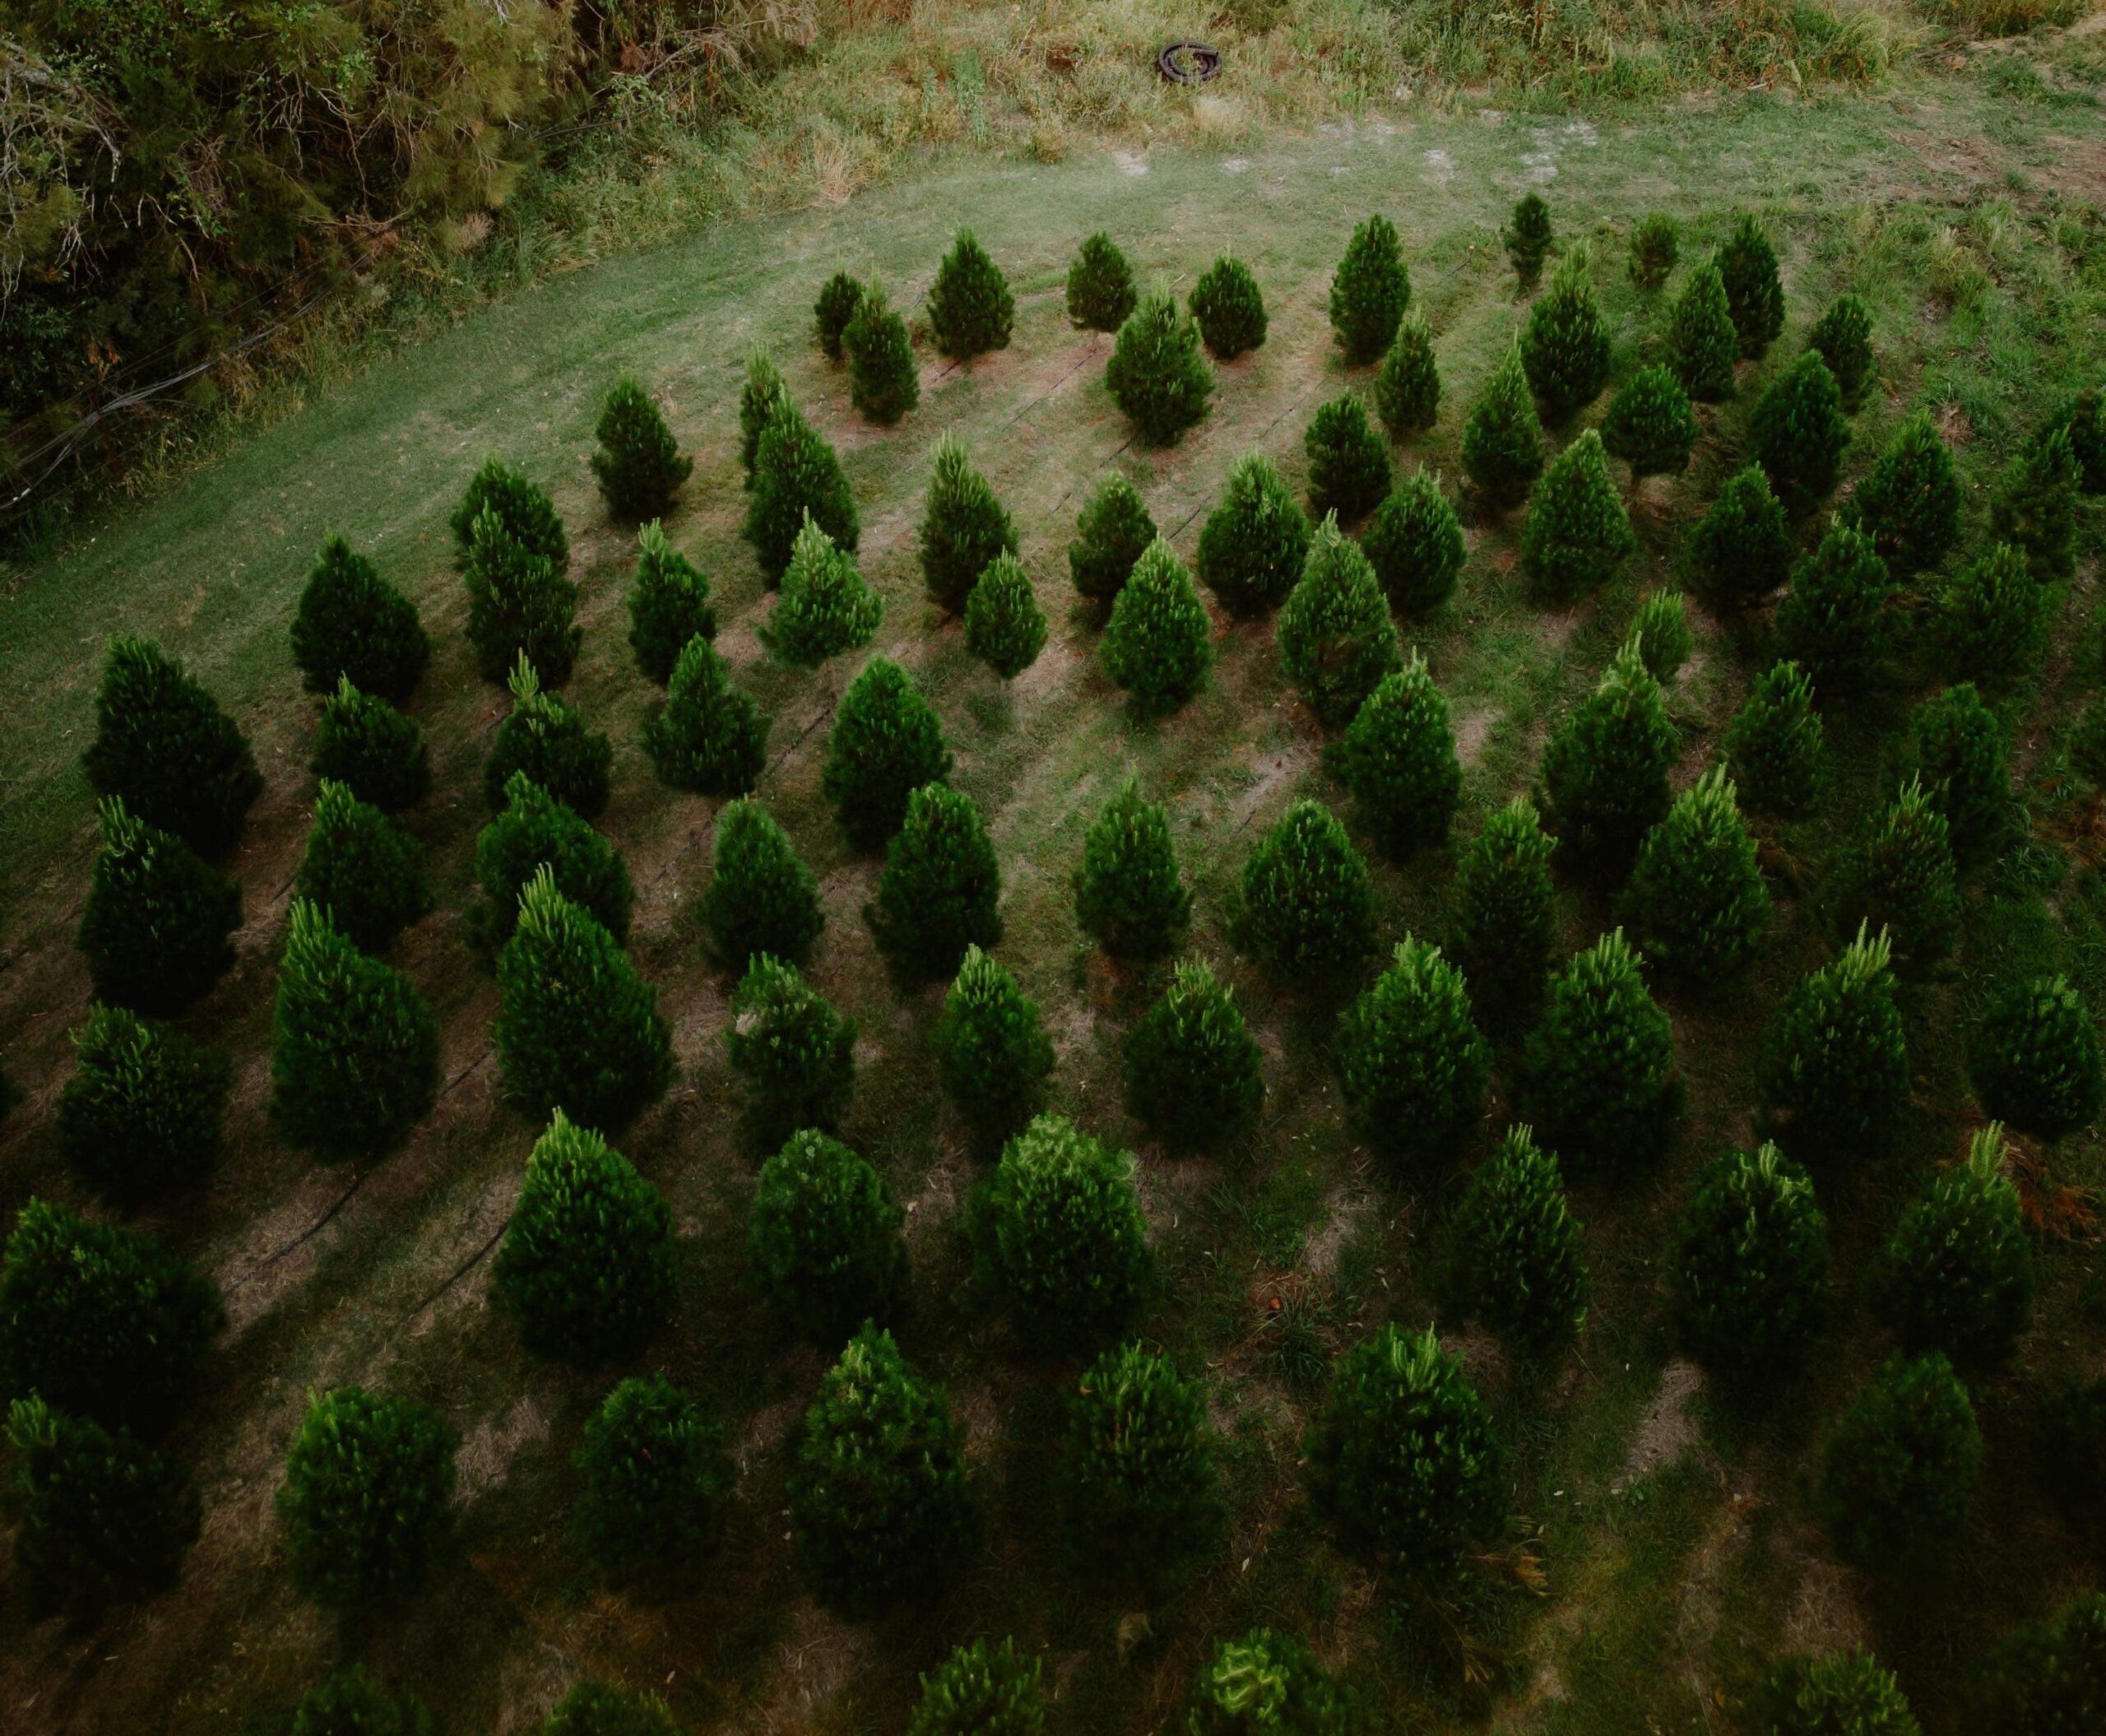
981, 1690
2084, 422
760, 394
708, 736
1337, 641
668, 605
1192, 1073
1844, 337
354, 1049
165, 749
1696, 897
1414, 543
1503, 438
656, 1480
1834, 1071
1505, 922
796, 475
1833, 620
1960, 1268
1605, 772
363, 868
519, 605
795, 1053
884, 382
351, 624
761, 897
2035, 507
1598, 1068
1228, 308
365, 743
841, 298
2036, 1061
1519, 1264
1369, 292
1157, 375
1655, 246
1750, 1263
1128, 896
1799, 432
1650, 426
533, 828
547, 738
1959, 753
1659, 628
1407, 391
971, 309
1742, 547
1528, 238
156, 926
1253, 545
1906, 882
964, 528
992, 1055
1701, 342
1348, 464
1909, 505
1992, 619
1578, 536
1111, 531
639, 464
941, 888
524, 510
1412, 1067
1308, 900
886, 744
1755, 294
144, 1111
1101, 293
823, 608
1775, 744
1901, 1469
1398, 758
1565, 349
824, 1252
2048, 1677
1159, 644
1004, 627
366, 1499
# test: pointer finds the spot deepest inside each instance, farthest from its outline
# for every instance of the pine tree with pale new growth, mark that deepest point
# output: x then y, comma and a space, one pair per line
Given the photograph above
886, 744
546, 738
1101, 293
824, 1252
364, 869
1605, 772
981, 1690
708, 736
761, 897
1832, 620
1799, 432
1565, 349
146, 1109
352, 624
1578, 535
1910, 504
762, 391
2036, 1062
156, 927
1228, 308
1702, 344
1650, 426
992, 1055
1845, 1693
1905, 880
2035, 506
795, 1052
1503, 437
519, 604
883, 381
1504, 924
796, 475
1696, 897
1527, 238
534, 828
1004, 627
1337, 641
1129, 895
1262, 1682
1660, 630
841, 297
1348, 464
964, 528
1158, 645
1407, 391
365, 743
1414, 543
1843, 336
1369, 292
639, 464
165, 749
523, 509
1775, 746
941, 888
1519, 1265
668, 605
1398, 758
1308, 900
1598, 1068
1834, 1070
1253, 545
1750, 1264
1112, 532
823, 608
1755, 295
1960, 1268
1157, 375
1992, 619
971, 309
1742, 547
1192, 1073
1411, 1066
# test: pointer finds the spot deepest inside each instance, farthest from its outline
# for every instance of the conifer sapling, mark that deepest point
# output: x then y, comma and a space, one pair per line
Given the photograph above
1111, 533
1578, 535
1528, 238
1655, 246
1834, 1070
1142, 1483
1702, 344
883, 381
1503, 438
1906, 882
546, 738
1101, 293
1004, 627
971, 309
940, 889
1159, 644
1414, 541
2036, 507
796, 475
1156, 376
1505, 920
1798, 431
1192, 1071
1565, 348
1774, 746
1308, 899
841, 298
1843, 336
146, 1108
655, 1478
534, 828
364, 869
964, 528
1348, 464
1598, 1068
1755, 295
1696, 896
1605, 772
1832, 620
761, 897
1909, 505
795, 1053
992, 1055
1519, 1266
364, 743
708, 736
353, 625
1960, 1268
639, 464
1128, 897
1650, 426
824, 1252
156, 927
165, 749
1750, 1263
2036, 1062
886, 744
668, 605
1337, 641
1411, 1066
1370, 291
1398, 758
1407, 391
1253, 545
1742, 546
824, 607
365, 1503
1228, 308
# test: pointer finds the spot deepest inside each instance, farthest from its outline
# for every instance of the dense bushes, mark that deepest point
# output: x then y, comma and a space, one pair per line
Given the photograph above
964, 528
823, 607
146, 1108
970, 308
1100, 292
2036, 1063
364, 744
1308, 901
352, 625
981, 1690
823, 1251
1605, 771
1111, 531
156, 926
1598, 1068
534, 828
1774, 746
1834, 1068
1578, 535
1398, 758
708, 737
165, 749
1412, 1067
992, 1055
1901, 1468
1230, 311
1696, 896
1519, 1264
547, 738
1004, 627
1337, 641
1659, 628
1750, 1263
638, 465
1156, 376
1565, 348
1370, 291
761, 897
1348, 464
886, 744
1904, 882
1253, 545
797, 1055
1191, 1072
655, 1478
1961, 1269
941, 886
1502, 437
1505, 917
794, 475
1158, 645
1143, 1492
362, 868
365, 1503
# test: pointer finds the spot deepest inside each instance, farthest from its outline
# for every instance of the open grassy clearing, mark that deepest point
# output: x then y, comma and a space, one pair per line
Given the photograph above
1673, 1529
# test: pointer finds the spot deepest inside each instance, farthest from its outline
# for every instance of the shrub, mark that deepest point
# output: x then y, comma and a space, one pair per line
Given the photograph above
1909, 505
879, 1507
991, 1052
1743, 545
586, 1267
883, 381
2084, 422
363, 868
1158, 645
1696, 896
1845, 1695
1701, 341
1754, 296
1308, 902
1843, 337
1412, 1067
1505, 917
1577, 535
2049, 1678
1113, 528
1751, 1263
708, 736
1407, 391
668, 605
841, 299
824, 607
1502, 437
981, 1690
762, 898
1960, 1275
795, 476
99, 1319
1520, 1264
1598, 1068
823, 1251
1527, 238
1959, 751
1415, 545
534, 828
351, 1703
1650, 424
969, 307
940, 889
1775, 744
1565, 349
1659, 628
1370, 291
758, 397
1143, 1488
1062, 1243
638, 463
2036, 1061
351, 624
98, 1516
2036, 507
964, 528
1834, 1063
1337, 641
1253, 545
526, 513
1348, 464
1398, 758
365, 1503
146, 1108
657, 1479
1905, 881
1228, 308
1100, 292
1655, 246
797, 1055
1901, 1467
355, 1047
1798, 431
596, 1708
1993, 618
165, 749
520, 608
578, 1030
366, 745
1004, 627
1833, 619
1263, 1683
1192, 1073
1605, 772
886, 744
1156, 376
547, 738
155, 924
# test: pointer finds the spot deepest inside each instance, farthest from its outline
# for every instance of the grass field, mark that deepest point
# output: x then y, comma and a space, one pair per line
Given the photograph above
1672, 1526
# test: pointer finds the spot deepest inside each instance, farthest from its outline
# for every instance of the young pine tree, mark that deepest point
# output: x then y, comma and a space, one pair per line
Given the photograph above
668, 605
2036, 507
1412, 1067
1960, 1268
886, 744
598, 1709
1503, 438
1832, 620
1843, 337
369, 1483
1750, 1263
1776, 745
1261, 1679
797, 1055
1101, 293
156, 926
1505, 918
1157, 375
364, 743
2036, 1063
1660, 629
364, 869
841, 298
1742, 547
1414, 543
1192, 1073
1370, 291
1992, 619
1308, 902
1650, 426
519, 605
656, 1480
1228, 308
1834, 1071
1755, 295
165, 749
1398, 758
1845, 1691
824, 1252
796, 475
964, 528
981, 1690
1111, 533
546, 737
824, 607
1901, 1468
1905, 880
1909, 505
353, 625
1253, 545
1655, 246
639, 464
1528, 238
761, 897
2049, 1678
940, 889
1799, 432
1159, 644
992, 1055
2084, 420
1004, 627
1578, 536
146, 1109
525, 511
1696, 897
1348, 464
758, 397
1407, 391
708, 736
534, 828
1337, 641
971, 309
1519, 1263
1959, 753
1598, 1070
1128, 896
1565, 350
883, 381
1702, 344
1605, 772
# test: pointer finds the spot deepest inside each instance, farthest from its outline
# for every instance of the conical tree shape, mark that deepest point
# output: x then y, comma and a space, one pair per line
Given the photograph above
989, 1690
639, 464
1774, 746
1528, 238
1844, 337
364, 742
1408, 390
992, 1055
887, 743
519, 605
354, 1059
1156, 376
1253, 545
1992, 619
969, 307
1519, 1263
1702, 343
668, 605
1605, 772
1832, 620
1159, 644
1598, 1070
1503, 438
1750, 1263
824, 1252
1834, 1071
795, 1053
883, 381
1308, 901
1004, 627
1228, 308
1743, 545
708, 737
2084, 421
1348, 464
1193, 1079
1412, 1067
1414, 543
523, 507
535, 828
1905, 882
1128, 896
964, 528
761, 897
1966, 773
1398, 758
1111, 531
940, 889
1101, 293
1909, 505
764, 390
2037, 1061
1337, 641
364, 869
1900, 1471
365, 1503
352, 624
796, 475
1960, 1267
1371, 292
1655, 246
1660, 630
156, 926
1650, 426
165, 749
841, 298
1696, 897
1753, 294
824, 607
1505, 916
146, 1109
1565, 350
2035, 508
1799, 432
1578, 535
547, 738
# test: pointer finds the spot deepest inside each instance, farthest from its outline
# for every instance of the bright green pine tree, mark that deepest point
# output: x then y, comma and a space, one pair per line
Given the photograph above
761, 897
885, 383
824, 1252
1905, 880
639, 464
1660, 629
1505, 923
992, 1055
1909, 505
2036, 1061
981, 1690
351, 624
1605, 772
1755, 295
2035, 506
1253, 545
1407, 391
841, 297
156, 925
364, 868
964, 528
365, 743
823, 608
1337, 641
1798, 432
1414, 541
1598, 1068
1775, 746
1750, 1264
795, 1052
1520, 1266
1503, 437
1308, 900
1348, 464
1130, 898
1650, 426
1696, 897
1742, 547
1845, 1693
1834, 1070
1004, 627
1702, 344
1833, 620
1369, 292
1101, 293
1398, 758
1844, 337
1655, 246
1901, 1469
146, 1109
1992, 619
1111, 531
523, 507
886, 744
708, 736
1157, 375
1192, 1073
369, 1484
1528, 238
1565, 348
796, 475
971, 310
1578, 535
941, 888
668, 605
165, 749
519, 605
1411, 1066
1228, 308
1159, 644
762, 391
546, 737
1960, 752
656, 1480
1960, 1268
1260, 1683
532, 829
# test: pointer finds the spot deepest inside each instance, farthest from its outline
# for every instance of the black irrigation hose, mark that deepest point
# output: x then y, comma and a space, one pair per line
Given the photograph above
1188, 63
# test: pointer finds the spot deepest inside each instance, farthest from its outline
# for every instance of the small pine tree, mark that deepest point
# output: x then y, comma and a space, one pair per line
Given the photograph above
1775, 744
668, 605
1605, 772
940, 889
596, 1708
1398, 758
1101, 293
886, 744
1901, 1468
1565, 349
1158, 645
519, 605
761, 897
1112, 532
964, 528
763, 391
1598, 1068
1309, 901
364, 869
1415, 544
657, 1479
165, 749
971, 309
1408, 390
1503, 438
992, 1055
578, 1029
1799, 432
1909, 505
546, 738
1528, 238
797, 1055
1506, 916
1253, 545
1832, 620
1337, 641
841, 298
639, 464
1412, 1067
1959, 751
526, 512
708, 736
1961, 1268
1844, 1695
1004, 627
1750, 1264
365, 1503
1156, 376
1348, 464
2036, 507
1843, 337
2036, 1063
883, 381
1742, 548
981, 1690
1577, 535
534, 828
146, 1108
1650, 426
1834, 1071
586, 1267
1228, 308
351, 624
1192, 1066
1755, 295
823, 608
1696, 897
366, 745
1701, 342
1655, 246
2084, 422
2049, 1678
1519, 1265
880, 1509
355, 1051
1992, 619
1906, 882
797, 476
1371, 292
1660, 629
156, 926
